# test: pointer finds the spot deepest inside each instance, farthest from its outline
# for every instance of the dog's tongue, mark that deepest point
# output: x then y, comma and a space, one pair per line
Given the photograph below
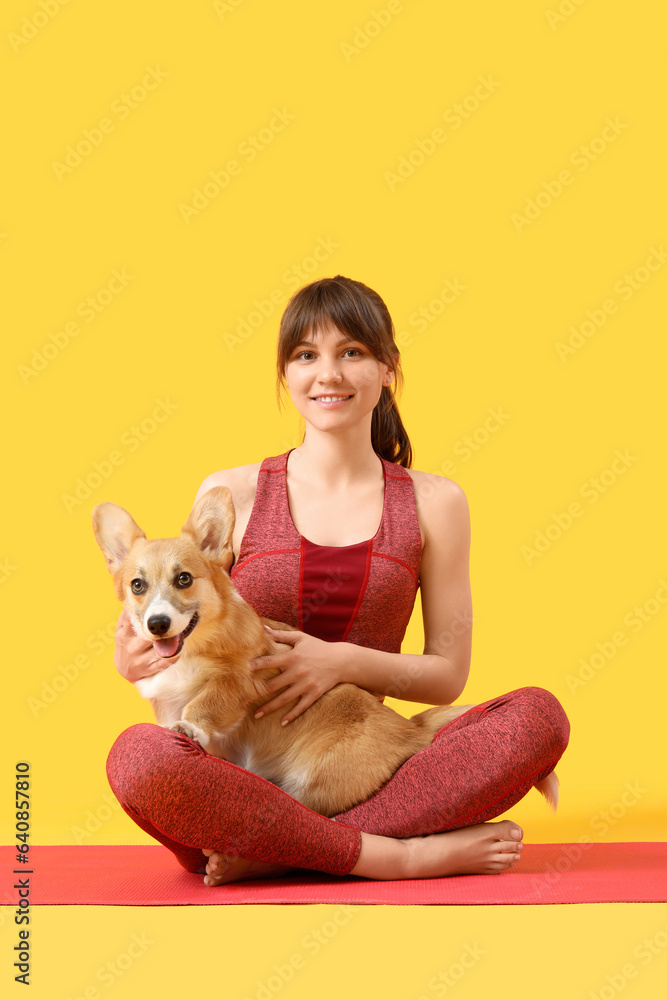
166, 647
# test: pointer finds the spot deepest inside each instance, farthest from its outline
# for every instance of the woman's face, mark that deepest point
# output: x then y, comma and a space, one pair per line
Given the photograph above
334, 380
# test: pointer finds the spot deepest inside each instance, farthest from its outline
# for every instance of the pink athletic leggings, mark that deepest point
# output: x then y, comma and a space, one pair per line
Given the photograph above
477, 767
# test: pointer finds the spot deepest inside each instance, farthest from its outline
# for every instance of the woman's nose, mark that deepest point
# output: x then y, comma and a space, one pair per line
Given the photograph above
329, 373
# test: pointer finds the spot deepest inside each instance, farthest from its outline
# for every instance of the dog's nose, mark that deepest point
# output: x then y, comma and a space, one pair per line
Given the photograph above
159, 624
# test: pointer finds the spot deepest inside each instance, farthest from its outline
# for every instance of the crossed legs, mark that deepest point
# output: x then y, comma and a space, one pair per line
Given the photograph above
476, 768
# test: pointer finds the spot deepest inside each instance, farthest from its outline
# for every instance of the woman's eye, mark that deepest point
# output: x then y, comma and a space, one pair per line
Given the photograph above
307, 355
137, 586
184, 579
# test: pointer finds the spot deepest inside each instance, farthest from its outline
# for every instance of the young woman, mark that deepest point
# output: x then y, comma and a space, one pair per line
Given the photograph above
334, 538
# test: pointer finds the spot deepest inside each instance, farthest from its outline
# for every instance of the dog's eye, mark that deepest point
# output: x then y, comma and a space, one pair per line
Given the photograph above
183, 580
137, 586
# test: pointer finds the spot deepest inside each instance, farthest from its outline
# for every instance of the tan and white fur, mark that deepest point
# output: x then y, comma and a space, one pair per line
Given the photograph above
178, 595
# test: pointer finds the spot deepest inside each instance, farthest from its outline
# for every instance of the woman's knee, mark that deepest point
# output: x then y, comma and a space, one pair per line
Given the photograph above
139, 759
545, 708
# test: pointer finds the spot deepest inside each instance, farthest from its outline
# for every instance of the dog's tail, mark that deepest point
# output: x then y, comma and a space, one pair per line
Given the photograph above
548, 787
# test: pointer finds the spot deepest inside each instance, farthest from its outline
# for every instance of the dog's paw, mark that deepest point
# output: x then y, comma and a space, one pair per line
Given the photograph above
192, 732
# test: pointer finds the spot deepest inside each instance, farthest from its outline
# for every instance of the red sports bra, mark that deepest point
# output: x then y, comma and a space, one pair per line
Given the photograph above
362, 593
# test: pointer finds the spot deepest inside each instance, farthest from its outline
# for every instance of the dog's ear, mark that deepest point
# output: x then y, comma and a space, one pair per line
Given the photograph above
116, 532
211, 524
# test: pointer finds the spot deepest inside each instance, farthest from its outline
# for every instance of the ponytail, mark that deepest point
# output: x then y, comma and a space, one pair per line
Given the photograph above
388, 435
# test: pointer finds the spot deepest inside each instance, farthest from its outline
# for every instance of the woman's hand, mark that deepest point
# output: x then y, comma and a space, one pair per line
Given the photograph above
309, 669
134, 657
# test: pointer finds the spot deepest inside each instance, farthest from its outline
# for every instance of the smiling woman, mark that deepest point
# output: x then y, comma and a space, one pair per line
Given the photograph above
334, 341
334, 538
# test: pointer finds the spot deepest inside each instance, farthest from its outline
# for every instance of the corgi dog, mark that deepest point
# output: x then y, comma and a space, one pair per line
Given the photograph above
179, 596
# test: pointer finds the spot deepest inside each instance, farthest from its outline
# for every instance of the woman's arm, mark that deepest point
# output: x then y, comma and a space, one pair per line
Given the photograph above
435, 677
438, 676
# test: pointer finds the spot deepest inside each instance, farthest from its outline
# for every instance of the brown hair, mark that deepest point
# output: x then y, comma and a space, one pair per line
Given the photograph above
359, 311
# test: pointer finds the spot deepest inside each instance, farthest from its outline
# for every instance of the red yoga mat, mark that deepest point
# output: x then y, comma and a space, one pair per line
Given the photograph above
149, 876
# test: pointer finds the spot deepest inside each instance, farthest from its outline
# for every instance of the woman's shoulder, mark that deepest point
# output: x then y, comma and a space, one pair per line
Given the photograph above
429, 484
440, 501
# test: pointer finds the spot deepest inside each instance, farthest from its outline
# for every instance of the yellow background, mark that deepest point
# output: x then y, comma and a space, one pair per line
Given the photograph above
362, 95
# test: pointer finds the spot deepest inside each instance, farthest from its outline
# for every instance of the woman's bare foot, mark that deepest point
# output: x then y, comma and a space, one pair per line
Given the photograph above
485, 849
222, 868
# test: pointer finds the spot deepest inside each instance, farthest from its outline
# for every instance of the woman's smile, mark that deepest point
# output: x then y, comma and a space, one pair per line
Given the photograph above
329, 401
